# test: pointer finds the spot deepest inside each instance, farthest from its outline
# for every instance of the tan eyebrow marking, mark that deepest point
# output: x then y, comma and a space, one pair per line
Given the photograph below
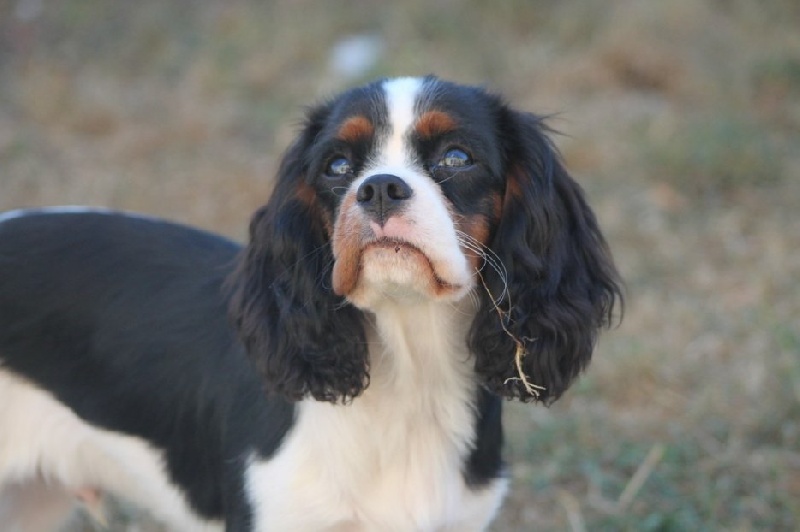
355, 128
434, 123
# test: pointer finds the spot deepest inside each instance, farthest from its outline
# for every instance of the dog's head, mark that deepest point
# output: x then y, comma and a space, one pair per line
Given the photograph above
418, 189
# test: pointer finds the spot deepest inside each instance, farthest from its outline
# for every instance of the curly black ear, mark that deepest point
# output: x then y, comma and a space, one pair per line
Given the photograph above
301, 337
560, 285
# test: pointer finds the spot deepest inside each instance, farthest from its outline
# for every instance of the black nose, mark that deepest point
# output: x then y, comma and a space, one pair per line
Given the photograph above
383, 195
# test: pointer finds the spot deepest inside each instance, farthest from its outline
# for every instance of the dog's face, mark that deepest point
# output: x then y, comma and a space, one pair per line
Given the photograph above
417, 189
408, 176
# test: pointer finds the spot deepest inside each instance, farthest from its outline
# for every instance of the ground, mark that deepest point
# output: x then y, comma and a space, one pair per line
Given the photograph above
681, 119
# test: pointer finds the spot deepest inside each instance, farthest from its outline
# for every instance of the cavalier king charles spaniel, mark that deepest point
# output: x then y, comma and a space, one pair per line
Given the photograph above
424, 255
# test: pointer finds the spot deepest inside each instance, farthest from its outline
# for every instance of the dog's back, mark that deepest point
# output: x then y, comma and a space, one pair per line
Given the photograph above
87, 298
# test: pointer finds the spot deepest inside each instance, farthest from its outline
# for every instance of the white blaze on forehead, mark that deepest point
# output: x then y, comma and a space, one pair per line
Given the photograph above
401, 95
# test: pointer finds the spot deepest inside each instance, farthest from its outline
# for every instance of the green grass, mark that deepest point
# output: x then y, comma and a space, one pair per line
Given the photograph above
778, 72
717, 153
716, 472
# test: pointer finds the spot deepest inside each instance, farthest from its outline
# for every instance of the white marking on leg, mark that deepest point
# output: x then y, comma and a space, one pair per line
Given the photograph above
43, 439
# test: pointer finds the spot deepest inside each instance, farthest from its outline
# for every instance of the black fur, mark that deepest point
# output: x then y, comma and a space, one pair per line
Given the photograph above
123, 320
485, 462
303, 339
562, 285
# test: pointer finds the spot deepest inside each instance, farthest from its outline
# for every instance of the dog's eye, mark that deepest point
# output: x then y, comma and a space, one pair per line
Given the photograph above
339, 166
455, 158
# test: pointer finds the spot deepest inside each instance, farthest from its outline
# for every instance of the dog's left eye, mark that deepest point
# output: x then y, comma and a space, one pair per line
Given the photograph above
455, 158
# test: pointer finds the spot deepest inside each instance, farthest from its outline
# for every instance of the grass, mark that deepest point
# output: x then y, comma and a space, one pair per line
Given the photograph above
717, 154
680, 118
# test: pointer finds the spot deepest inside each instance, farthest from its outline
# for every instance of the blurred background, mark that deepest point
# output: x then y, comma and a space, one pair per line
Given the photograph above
681, 118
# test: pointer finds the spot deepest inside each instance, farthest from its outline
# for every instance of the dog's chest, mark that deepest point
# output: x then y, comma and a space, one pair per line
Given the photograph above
384, 462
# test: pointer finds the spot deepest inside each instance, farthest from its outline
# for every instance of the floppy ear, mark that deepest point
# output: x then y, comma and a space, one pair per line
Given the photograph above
301, 337
560, 284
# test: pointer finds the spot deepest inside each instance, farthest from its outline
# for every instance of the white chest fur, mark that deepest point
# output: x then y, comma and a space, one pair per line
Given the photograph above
393, 458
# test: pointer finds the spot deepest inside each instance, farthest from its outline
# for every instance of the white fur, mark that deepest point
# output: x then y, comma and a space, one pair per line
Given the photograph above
44, 441
412, 428
433, 233
401, 96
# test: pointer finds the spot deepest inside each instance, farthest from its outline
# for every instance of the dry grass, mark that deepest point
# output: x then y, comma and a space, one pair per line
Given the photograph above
682, 119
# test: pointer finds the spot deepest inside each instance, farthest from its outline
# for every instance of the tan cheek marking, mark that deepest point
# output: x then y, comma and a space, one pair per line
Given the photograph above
514, 185
497, 206
435, 123
503, 206
346, 250
477, 227
355, 128
306, 194
512, 182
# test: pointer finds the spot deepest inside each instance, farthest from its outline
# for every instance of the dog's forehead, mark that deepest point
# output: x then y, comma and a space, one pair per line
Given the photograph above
402, 95
381, 105
368, 101
397, 104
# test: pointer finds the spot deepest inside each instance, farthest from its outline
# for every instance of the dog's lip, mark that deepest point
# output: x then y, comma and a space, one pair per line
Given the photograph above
393, 243
398, 244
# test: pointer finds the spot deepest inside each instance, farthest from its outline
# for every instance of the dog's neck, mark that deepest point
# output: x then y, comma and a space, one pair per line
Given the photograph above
421, 374
419, 349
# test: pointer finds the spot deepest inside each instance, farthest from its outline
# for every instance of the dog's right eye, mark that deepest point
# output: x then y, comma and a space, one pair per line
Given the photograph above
339, 167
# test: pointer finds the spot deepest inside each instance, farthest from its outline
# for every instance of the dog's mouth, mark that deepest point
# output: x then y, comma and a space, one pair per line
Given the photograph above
400, 253
391, 265
394, 244
402, 250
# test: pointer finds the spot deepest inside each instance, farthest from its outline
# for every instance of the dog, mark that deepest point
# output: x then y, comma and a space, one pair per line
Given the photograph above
424, 255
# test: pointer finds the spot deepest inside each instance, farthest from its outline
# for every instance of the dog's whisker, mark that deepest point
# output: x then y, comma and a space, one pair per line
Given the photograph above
490, 258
